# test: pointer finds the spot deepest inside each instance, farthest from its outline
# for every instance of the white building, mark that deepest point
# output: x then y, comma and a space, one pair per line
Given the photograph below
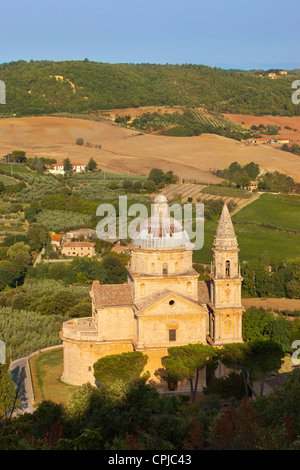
58, 168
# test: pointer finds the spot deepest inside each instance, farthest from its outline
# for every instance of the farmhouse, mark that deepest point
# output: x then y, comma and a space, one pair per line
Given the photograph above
118, 248
260, 140
252, 186
58, 168
56, 239
81, 233
78, 249
78, 167
162, 304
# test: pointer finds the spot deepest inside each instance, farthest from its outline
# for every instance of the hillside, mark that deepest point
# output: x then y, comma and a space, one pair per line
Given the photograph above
132, 152
46, 87
289, 126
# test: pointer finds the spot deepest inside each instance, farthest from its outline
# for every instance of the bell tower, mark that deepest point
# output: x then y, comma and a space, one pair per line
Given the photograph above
226, 281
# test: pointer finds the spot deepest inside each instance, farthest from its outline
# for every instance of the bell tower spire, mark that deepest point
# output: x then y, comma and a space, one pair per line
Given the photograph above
226, 281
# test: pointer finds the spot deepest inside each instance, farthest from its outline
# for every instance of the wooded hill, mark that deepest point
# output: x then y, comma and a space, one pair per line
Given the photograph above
46, 87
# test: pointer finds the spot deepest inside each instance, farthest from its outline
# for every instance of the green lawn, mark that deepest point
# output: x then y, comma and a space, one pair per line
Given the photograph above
6, 180
46, 370
223, 191
276, 210
15, 169
205, 254
254, 240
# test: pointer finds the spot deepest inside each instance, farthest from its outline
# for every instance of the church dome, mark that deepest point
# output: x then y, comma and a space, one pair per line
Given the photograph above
161, 230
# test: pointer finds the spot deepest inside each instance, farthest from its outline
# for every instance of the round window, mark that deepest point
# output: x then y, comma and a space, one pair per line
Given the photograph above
172, 302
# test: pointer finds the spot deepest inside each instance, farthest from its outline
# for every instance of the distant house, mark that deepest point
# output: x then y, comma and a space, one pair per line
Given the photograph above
56, 239
58, 168
260, 140
273, 75
78, 167
252, 186
82, 232
283, 141
86, 249
117, 248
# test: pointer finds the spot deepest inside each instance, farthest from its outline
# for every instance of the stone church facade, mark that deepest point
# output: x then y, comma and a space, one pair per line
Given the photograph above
162, 304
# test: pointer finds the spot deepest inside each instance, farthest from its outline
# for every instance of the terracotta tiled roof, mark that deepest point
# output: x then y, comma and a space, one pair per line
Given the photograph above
78, 244
271, 383
204, 292
118, 249
56, 238
73, 164
112, 294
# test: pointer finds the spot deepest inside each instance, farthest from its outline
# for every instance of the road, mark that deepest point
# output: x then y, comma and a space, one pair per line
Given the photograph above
20, 373
39, 258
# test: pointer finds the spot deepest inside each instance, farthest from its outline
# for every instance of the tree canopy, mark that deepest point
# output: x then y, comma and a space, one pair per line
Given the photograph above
126, 367
186, 362
119, 86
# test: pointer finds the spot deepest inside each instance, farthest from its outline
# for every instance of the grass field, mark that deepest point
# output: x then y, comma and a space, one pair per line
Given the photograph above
205, 255
128, 152
15, 169
253, 241
6, 180
223, 191
271, 303
46, 370
277, 210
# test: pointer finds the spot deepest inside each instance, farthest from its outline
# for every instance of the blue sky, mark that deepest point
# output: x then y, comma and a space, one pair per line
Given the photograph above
228, 34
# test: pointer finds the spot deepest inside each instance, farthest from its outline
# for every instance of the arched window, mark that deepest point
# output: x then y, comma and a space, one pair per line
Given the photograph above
176, 266
142, 289
153, 267
165, 268
189, 287
227, 268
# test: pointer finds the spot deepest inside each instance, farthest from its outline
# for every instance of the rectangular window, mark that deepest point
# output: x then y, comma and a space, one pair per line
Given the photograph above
172, 335
172, 385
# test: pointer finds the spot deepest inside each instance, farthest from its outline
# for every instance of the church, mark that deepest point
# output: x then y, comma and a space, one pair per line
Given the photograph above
162, 304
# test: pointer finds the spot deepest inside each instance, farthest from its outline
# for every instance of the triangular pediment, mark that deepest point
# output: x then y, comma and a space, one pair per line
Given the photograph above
171, 302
